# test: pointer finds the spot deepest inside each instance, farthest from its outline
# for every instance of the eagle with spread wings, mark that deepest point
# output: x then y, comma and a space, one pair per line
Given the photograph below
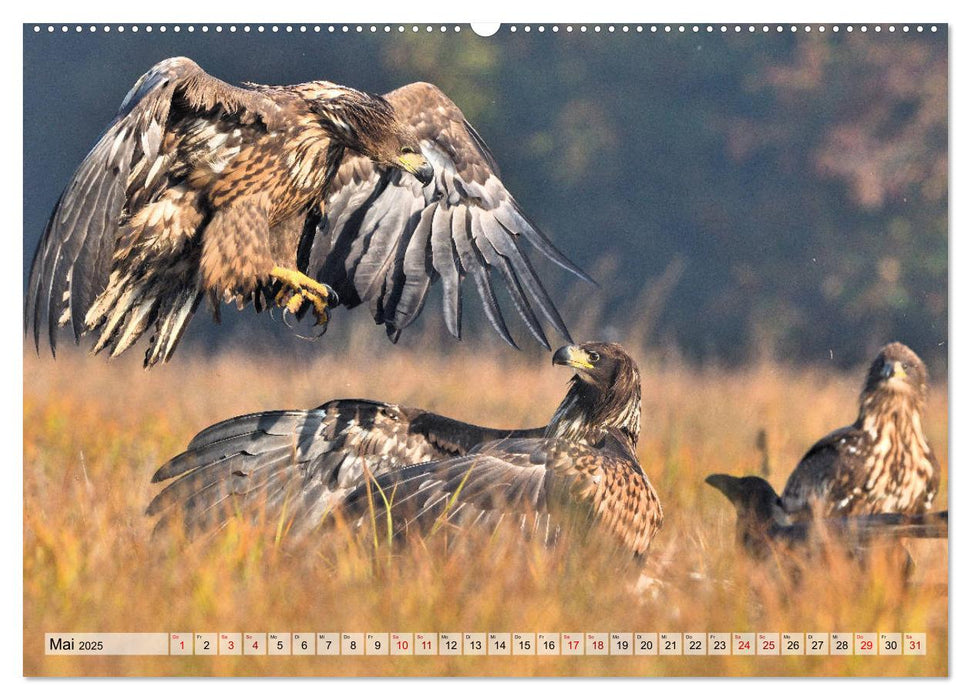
303, 196
300, 466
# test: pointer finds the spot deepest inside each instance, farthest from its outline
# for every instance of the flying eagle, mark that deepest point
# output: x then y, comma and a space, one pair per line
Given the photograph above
763, 526
302, 196
883, 462
299, 466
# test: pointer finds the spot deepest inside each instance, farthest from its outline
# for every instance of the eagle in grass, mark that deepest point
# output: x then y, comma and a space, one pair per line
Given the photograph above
297, 467
875, 478
883, 462
303, 196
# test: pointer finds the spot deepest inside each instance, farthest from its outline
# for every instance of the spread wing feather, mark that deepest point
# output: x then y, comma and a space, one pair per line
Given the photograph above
73, 260
863, 529
521, 478
303, 459
384, 239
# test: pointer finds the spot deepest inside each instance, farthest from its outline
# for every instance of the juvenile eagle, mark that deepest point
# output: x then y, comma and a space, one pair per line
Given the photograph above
284, 195
299, 466
762, 524
883, 462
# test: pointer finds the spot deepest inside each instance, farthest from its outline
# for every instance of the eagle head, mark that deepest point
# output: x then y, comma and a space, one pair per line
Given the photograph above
596, 363
368, 124
605, 392
897, 370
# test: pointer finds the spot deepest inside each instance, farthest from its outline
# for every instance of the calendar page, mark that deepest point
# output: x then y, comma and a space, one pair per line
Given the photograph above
548, 349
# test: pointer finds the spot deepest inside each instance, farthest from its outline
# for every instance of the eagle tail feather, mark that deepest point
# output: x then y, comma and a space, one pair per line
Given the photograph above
136, 321
171, 325
130, 305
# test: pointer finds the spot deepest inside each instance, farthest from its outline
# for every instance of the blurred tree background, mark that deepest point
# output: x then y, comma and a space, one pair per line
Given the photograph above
737, 196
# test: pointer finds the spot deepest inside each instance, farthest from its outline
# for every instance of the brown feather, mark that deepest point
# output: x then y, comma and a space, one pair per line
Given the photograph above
883, 462
184, 195
337, 454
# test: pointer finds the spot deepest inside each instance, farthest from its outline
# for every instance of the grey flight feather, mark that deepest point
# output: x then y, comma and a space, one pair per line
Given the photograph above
373, 246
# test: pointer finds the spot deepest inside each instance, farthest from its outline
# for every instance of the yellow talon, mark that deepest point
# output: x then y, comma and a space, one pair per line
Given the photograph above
299, 289
293, 306
299, 281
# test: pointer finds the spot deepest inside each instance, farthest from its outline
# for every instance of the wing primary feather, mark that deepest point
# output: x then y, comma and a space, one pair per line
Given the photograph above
495, 260
474, 265
508, 246
514, 219
535, 235
415, 275
483, 148
37, 301
86, 275
445, 262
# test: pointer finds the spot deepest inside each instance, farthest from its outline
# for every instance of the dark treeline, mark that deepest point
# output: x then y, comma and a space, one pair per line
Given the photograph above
736, 195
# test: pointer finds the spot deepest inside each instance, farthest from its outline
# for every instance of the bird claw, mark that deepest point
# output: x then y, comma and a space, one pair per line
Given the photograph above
299, 292
286, 320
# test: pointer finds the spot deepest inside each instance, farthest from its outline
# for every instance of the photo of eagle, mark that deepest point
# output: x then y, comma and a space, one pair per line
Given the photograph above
875, 478
763, 526
303, 196
882, 463
299, 466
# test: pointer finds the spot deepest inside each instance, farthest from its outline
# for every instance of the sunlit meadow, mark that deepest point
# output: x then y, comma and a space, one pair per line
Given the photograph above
95, 431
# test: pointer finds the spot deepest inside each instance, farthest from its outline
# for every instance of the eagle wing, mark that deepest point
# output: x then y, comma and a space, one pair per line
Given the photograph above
127, 165
301, 461
826, 477
384, 239
535, 482
876, 526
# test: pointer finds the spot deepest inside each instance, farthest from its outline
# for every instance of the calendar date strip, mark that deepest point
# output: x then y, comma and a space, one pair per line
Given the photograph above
486, 644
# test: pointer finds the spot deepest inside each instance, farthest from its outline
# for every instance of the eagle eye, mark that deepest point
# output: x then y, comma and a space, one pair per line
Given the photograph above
594, 357
407, 149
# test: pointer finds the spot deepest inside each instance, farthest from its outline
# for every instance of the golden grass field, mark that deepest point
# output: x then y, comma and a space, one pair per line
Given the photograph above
95, 431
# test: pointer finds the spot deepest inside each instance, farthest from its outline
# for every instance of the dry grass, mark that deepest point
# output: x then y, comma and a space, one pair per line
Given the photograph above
94, 433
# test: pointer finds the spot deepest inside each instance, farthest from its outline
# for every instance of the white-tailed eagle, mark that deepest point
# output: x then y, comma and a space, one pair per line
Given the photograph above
299, 466
302, 196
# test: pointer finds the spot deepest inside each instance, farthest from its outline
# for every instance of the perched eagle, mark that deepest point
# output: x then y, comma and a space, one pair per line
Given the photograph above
882, 463
763, 526
298, 466
304, 196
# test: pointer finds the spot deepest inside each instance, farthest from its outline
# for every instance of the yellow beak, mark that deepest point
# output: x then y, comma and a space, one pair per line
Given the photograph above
572, 356
416, 164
